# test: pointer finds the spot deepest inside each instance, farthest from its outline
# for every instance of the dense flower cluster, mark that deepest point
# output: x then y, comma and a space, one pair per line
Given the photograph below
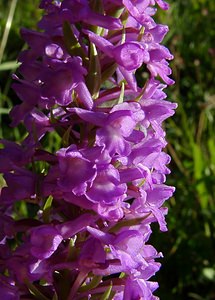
91, 197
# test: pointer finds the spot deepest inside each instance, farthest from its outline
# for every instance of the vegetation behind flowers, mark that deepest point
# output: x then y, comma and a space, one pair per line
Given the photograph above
188, 267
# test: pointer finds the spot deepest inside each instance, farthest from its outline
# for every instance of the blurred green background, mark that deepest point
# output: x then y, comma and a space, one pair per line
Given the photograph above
188, 267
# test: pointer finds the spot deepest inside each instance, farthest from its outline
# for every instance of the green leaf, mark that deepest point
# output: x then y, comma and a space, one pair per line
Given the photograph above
97, 6
4, 111
107, 293
72, 44
211, 147
199, 166
108, 72
122, 93
55, 297
47, 209
66, 137
209, 273
32, 288
93, 284
124, 223
9, 65
93, 79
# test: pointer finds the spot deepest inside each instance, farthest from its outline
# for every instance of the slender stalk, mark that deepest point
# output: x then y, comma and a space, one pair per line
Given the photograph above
7, 28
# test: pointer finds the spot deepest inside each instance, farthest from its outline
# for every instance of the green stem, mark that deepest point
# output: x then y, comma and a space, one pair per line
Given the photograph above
93, 284
7, 28
32, 288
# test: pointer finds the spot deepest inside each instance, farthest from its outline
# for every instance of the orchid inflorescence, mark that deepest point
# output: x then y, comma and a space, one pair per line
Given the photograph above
91, 197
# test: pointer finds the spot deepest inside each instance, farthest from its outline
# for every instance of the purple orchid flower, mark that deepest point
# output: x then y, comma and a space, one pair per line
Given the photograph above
88, 205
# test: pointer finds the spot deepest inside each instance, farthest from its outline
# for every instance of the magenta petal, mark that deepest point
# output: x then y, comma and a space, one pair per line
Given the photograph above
129, 77
44, 241
92, 254
130, 55
106, 187
70, 228
163, 4
101, 43
76, 171
159, 194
